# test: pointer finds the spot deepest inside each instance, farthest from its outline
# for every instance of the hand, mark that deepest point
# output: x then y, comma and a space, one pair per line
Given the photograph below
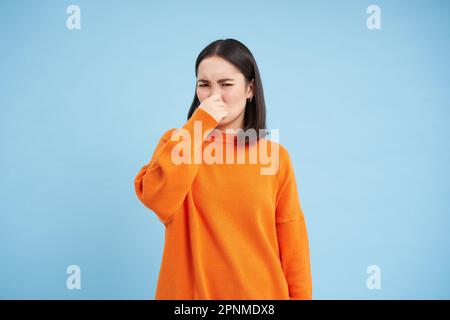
215, 106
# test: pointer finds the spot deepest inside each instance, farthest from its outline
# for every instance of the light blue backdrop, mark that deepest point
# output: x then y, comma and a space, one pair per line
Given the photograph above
364, 114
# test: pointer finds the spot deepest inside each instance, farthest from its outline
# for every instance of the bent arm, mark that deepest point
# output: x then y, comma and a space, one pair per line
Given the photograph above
163, 183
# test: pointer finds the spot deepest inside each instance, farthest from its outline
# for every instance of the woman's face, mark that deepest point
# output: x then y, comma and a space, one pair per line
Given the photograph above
218, 76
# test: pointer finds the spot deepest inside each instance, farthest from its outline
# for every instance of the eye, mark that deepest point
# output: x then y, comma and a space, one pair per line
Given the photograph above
225, 84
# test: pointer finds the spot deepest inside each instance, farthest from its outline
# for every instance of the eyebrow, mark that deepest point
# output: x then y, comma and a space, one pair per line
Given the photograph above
220, 80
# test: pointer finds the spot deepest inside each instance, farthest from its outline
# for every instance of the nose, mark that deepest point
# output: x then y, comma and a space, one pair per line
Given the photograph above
216, 90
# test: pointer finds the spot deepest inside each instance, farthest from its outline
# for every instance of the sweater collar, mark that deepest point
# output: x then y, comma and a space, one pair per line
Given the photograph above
228, 136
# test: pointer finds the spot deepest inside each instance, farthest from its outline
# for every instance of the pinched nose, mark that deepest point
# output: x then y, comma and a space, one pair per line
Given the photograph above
216, 94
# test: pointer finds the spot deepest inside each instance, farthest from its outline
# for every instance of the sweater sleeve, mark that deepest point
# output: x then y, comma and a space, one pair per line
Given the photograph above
162, 184
292, 236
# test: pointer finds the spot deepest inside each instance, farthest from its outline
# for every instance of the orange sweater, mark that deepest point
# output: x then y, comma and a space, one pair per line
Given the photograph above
230, 232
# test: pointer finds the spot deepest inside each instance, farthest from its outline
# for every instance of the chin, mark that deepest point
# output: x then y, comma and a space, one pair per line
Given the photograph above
224, 122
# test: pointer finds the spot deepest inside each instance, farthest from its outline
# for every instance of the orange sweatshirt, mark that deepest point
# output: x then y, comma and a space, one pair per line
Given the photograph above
230, 232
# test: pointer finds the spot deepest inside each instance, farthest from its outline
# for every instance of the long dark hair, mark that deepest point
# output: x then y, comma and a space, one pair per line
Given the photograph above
240, 56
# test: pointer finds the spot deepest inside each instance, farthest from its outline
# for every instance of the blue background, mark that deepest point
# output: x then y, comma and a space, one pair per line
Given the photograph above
364, 114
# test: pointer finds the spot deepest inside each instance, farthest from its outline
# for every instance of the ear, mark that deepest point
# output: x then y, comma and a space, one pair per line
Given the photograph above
250, 88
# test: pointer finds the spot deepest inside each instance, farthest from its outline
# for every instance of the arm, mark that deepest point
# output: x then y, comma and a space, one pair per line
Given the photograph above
293, 237
162, 184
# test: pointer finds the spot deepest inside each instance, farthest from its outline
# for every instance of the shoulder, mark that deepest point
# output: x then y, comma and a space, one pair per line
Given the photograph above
276, 148
167, 134
280, 154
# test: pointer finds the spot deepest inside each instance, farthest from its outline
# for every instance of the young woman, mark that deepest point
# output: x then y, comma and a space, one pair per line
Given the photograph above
231, 230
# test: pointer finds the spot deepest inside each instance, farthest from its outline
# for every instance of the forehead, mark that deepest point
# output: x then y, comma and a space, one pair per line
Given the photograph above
217, 68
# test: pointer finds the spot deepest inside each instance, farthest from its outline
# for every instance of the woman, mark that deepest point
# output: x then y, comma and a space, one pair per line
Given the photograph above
231, 231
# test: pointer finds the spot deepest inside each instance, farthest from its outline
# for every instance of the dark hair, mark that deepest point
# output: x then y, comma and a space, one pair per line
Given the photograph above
240, 56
